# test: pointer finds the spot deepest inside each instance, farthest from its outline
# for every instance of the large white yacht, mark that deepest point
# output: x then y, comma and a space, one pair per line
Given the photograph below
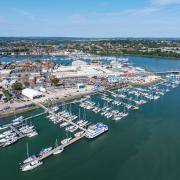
32, 165
95, 130
29, 158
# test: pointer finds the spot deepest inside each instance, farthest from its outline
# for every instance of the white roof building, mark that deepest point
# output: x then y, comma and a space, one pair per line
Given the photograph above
78, 63
31, 93
5, 71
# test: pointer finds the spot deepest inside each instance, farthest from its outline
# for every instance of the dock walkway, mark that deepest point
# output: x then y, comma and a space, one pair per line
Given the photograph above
63, 146
16, 131
59, 116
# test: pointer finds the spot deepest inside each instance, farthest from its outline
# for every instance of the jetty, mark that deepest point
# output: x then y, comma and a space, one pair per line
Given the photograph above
10, 125
16, 131
48, 154
59, 116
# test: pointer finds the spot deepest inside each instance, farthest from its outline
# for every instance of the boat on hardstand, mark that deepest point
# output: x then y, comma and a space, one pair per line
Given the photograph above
96, 130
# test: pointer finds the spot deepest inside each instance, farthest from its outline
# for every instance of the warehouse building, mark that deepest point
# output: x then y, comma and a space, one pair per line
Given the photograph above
31, 93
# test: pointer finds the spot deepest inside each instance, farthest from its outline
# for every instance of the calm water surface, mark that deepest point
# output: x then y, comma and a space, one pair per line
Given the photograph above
143, 146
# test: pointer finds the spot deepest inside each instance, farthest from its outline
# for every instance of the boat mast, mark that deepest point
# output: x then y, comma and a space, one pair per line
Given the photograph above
27, 150
56, 143
79, 113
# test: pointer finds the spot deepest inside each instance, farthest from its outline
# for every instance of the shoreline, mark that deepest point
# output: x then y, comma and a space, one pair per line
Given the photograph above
136, 55
70, 98
148, 56
65, 99
34, 107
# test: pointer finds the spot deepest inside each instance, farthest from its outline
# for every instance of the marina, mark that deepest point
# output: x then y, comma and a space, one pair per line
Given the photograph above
72, 121
49, 153
116, 105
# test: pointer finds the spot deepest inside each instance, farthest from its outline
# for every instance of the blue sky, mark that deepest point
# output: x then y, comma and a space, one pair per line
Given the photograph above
90, 18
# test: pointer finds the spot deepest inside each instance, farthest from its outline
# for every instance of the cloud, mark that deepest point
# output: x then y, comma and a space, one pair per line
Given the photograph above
166, 2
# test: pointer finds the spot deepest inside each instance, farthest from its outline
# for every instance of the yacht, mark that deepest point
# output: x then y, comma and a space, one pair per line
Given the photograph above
64, 124
95, 130
20, 118
5, 139
2, 127
6, 133
65, 141
117, 118
83, 123
78, 134
29, 158
45, 151
10, 141
32, 165
55, 108
135, 107
58, 149
74, 129
32, 134
69, 128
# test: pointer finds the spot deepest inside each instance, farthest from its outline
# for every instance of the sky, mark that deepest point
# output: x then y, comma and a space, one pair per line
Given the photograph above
90, 18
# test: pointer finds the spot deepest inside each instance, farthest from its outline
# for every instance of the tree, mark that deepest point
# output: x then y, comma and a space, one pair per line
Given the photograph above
54, 81
17, 86
7, 94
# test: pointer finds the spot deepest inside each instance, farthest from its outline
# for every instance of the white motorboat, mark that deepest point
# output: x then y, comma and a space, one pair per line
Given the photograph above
65, 141
32, 165
32, 134
45, 151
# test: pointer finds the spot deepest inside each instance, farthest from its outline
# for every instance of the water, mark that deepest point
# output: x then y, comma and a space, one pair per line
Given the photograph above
143, 146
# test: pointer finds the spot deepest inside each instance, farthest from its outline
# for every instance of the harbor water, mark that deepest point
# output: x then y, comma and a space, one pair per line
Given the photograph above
143, 146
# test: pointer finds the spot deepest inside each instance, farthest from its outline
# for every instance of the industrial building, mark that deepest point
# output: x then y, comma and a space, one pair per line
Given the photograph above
31, 93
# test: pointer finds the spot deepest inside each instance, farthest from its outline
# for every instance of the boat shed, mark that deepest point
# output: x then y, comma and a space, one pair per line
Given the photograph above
31, 93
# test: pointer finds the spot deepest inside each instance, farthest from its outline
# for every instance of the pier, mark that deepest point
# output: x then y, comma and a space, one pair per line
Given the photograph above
25, 119
16, 131
123, 103
58, 116
48, 154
